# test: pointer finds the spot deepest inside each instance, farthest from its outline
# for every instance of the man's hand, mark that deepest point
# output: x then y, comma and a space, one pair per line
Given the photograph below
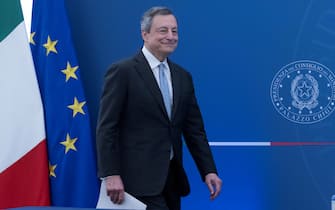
115, 189
214, 184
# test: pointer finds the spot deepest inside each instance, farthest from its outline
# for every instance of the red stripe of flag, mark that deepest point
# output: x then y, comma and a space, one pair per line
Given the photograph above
25, 182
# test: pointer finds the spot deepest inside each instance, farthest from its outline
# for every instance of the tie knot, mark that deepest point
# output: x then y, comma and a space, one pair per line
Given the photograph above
161, 67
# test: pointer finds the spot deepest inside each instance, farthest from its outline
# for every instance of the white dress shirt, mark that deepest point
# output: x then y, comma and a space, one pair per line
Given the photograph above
154, 63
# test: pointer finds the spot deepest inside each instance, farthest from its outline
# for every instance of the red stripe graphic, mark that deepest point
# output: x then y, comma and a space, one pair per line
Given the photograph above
267, 143
301, 143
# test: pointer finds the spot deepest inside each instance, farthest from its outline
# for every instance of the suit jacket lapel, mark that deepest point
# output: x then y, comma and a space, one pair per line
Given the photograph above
145, 71
176, 87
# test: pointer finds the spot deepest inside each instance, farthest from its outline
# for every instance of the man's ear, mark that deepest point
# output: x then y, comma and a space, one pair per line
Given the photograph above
144, 35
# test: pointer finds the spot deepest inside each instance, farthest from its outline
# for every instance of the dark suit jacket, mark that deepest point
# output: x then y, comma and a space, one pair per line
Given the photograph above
134, 133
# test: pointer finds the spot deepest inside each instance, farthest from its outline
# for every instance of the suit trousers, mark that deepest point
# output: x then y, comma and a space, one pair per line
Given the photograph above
169, 199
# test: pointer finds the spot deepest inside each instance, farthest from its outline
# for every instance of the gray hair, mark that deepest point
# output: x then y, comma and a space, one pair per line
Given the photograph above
147, 17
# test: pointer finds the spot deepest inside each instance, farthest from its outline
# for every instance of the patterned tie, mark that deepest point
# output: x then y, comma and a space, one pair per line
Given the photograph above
164, 86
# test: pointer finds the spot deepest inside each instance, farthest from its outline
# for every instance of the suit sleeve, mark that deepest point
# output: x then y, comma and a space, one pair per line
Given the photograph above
108, 126
195, 135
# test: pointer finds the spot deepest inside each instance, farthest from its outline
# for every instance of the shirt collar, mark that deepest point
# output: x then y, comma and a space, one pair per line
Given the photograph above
152, 60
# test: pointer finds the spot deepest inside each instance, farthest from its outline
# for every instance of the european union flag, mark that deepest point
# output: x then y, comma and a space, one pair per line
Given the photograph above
71, 149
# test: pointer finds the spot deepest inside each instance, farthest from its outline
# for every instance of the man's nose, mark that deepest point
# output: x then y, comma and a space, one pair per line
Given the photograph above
171, 34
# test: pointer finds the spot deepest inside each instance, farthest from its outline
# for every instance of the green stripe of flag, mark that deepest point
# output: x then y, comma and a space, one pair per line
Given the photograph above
10, 16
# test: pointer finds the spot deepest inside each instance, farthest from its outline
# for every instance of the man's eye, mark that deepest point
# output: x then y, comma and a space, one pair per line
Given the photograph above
163, 31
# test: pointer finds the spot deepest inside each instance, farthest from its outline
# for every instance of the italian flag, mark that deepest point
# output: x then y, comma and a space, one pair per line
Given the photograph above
23, 157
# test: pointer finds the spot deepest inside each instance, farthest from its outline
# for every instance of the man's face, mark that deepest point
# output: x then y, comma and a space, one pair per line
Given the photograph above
162, 38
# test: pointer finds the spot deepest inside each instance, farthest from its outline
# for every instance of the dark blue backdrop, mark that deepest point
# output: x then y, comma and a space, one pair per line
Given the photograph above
233, 49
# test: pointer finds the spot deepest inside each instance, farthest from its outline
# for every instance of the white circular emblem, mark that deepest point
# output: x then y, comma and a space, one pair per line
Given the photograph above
304, 92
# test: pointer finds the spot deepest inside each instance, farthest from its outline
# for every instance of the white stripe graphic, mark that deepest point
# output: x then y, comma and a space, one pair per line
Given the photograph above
240, 144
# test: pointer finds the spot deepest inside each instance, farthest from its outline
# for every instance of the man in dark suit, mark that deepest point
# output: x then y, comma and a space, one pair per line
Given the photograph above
148, 103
